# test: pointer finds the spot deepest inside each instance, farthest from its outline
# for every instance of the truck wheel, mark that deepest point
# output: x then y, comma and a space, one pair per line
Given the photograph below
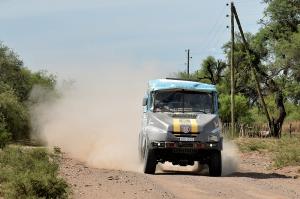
215, 163
149, 161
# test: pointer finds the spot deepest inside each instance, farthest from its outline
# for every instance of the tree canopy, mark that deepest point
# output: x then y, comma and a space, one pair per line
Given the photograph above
16, 83
275, 55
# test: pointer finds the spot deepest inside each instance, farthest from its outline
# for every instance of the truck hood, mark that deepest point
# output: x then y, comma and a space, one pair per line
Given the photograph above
184, 122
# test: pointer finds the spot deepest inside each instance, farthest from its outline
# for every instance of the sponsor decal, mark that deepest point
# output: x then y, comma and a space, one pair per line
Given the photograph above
185, 126
185, 129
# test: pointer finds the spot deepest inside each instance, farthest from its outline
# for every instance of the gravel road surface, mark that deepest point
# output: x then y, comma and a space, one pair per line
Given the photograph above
254, 179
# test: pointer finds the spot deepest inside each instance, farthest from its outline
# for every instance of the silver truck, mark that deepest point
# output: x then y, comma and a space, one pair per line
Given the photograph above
180, 125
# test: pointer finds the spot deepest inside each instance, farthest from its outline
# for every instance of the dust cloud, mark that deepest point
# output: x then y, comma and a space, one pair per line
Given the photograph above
230, 163
95, 120
230, 158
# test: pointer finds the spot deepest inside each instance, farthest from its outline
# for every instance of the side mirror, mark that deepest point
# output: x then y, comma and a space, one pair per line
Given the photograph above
145, 101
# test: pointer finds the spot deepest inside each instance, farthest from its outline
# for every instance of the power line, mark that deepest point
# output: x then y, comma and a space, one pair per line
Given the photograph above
213, 31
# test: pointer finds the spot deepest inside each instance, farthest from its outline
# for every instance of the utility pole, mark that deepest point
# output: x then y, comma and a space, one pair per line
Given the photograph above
232, 107
188, 62
253, 69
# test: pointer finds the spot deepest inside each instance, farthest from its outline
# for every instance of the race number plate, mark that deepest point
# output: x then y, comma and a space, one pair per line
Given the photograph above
186, 139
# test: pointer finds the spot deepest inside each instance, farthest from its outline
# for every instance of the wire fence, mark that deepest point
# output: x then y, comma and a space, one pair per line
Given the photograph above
257, 130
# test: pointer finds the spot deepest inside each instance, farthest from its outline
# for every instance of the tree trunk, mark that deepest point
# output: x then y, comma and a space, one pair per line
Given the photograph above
276, 124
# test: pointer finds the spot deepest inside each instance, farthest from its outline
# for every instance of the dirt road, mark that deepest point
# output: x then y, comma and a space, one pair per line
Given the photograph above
253, 180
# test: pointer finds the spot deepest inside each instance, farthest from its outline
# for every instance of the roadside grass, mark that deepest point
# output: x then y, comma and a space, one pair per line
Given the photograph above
30, 173
284, 151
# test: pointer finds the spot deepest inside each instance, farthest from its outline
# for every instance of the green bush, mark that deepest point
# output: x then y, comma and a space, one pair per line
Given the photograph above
15, 113
4, 135
14, 74
253, 144
293, 111
16, 83
30, 173
241, 112
258, 115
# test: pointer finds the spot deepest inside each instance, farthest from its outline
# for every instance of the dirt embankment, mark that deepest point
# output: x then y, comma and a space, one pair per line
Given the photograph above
254, 179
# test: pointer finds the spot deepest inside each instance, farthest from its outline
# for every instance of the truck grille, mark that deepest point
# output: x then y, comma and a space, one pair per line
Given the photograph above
184, 150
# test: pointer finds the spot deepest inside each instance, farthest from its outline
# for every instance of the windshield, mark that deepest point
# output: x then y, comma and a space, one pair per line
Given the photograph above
182, 101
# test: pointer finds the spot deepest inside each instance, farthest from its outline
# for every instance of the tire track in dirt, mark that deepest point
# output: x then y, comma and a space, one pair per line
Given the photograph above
250, 182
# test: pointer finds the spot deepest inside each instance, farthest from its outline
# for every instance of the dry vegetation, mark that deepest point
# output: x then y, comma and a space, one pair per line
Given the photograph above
284, 151
30, 173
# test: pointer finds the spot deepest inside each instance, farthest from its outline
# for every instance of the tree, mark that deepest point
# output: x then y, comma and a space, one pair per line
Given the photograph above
244, 81
211, 70
261, 54
19, 78
16, 83
274, 54
281, 16
279, 69
242, 113
13, 114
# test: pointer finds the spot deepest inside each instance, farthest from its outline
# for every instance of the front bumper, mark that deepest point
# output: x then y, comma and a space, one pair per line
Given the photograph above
187, 145
176, 152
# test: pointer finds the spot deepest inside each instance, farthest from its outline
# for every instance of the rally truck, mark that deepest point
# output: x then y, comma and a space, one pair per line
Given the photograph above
180, 125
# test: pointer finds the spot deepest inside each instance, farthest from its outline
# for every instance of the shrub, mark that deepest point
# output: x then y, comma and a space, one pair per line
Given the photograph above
30, 173
241, 113
16, 83
284, 151
293, 111
287, 152
15, 113
253, 144
5, 136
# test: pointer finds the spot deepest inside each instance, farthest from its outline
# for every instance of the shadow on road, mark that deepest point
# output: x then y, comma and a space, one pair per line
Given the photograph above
257, 175
254, 175
191, 173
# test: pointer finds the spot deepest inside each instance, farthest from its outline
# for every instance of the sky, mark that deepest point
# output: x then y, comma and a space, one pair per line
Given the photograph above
63, 36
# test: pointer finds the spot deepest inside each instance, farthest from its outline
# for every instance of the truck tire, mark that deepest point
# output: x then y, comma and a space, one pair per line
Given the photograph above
215, 163
149, 161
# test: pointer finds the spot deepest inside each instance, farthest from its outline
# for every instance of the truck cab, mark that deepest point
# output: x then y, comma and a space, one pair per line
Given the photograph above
180, 125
